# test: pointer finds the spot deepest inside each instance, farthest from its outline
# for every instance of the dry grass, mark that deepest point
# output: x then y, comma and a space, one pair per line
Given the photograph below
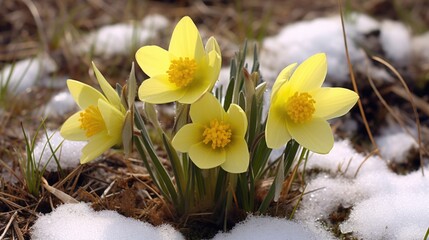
29, 27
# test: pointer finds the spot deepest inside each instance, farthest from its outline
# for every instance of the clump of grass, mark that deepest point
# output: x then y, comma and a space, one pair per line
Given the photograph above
31, 165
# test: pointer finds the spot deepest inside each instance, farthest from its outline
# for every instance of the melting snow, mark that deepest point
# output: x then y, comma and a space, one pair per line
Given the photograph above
256, 228
68, 153
25, 73
384, 205
59, 105
122, 38
80, 222
297, 41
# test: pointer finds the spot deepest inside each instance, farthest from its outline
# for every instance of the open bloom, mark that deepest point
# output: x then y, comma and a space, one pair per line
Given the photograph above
215, 137
183, 73
300, 107
100, 119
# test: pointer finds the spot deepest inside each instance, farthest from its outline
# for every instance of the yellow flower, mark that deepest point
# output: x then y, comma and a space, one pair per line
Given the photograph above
100, 119
183, 73
300, 107
215, 137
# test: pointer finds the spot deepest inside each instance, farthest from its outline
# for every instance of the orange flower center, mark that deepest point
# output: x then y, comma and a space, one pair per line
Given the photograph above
218, 134
91, 121
300, 107
182, 71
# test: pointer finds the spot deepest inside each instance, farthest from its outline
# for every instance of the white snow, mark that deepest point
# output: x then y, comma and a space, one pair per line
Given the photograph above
68, 153
122, 38
25, 73
420, 46
395, 38
390, 216
384, 205
59, 105
298, 41
80, 222
256, 228
396, 146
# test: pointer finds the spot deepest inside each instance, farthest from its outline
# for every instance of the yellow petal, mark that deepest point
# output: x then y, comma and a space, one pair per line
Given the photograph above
310, 74
186, 40
83, 94
187, 136
153, 60
194, 92
205, 157
213, 68
113, 118
315, 135
206, 109
237, 156
276, 132
238, 120
212, 45
333, 102
71, 129
283, 93
108, 90
282, 78
96, 146
158, 90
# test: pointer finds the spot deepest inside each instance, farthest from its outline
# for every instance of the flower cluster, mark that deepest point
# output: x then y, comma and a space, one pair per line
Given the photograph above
218, 138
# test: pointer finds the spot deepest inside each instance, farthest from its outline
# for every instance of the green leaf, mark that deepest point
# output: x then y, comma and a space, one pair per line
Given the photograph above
132, 87
260, 156
177, 167
157, 170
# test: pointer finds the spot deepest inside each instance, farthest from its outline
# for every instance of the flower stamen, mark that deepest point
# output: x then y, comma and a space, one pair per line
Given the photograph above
91, 121
300, 107
182, 71
219, 134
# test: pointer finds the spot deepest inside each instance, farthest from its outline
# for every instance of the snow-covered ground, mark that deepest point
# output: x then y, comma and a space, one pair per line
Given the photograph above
297, 41
382, 204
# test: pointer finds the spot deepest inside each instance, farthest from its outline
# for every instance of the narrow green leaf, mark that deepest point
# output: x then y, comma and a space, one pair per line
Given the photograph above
176, 165
160, 173
131, 87
260, 157
278, 182
426, 235
267, 200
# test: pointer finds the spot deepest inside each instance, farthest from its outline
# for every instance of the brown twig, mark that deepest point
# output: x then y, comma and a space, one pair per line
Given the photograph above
395, 115
420, 103
352, 76
413, 105
8, 225
372, 153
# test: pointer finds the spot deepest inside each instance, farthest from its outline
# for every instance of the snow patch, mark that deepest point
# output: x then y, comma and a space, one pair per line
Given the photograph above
383, 205
81, 222
298, 41
122, 38
395, 38
59, 105
256, 228
68, 152
20, 76
420, 46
